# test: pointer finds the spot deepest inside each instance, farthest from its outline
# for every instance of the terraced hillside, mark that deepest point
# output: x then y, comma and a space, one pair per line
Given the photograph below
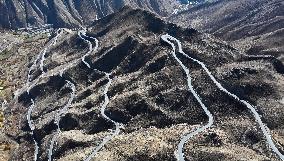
123, 89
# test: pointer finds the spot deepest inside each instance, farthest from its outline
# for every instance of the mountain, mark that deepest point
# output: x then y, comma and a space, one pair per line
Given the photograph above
117, 91
253, 26
70, 13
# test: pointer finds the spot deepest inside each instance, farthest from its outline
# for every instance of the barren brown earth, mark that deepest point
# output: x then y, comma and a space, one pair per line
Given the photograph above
148, 95
253, 26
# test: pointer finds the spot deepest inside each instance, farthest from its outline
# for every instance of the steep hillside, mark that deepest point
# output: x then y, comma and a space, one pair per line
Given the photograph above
70, 13
254, 26
125, 90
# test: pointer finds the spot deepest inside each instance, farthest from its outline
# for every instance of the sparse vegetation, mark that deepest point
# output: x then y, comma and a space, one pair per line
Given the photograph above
32, 38
162, 91
1, 119
5, 54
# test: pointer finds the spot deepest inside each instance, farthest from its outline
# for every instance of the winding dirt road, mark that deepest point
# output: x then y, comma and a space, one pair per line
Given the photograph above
58, 117
167, 38
82, 35
180, 157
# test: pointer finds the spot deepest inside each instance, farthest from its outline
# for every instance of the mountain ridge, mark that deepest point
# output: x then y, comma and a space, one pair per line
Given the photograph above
253, 26
133, 79
62, 13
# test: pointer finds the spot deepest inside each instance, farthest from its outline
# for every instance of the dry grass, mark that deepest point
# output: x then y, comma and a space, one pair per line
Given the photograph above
4, 151
1, 119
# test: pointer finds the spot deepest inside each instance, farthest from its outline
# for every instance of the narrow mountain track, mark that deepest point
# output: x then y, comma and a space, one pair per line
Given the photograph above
33, 66
180, 157
32, 128
143, 83
82, 35
31, 108
41, 58
59, 115
117, 125
257, 117
64, 110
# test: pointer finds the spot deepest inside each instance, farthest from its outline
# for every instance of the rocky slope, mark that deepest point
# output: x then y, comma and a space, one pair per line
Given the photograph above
146, 93
253, 26
67, 13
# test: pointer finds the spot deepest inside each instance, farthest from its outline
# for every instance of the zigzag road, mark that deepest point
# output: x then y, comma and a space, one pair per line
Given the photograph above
58, 117
31, 108
185, 138
167, 38
32, 127
82, 35
41, 55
